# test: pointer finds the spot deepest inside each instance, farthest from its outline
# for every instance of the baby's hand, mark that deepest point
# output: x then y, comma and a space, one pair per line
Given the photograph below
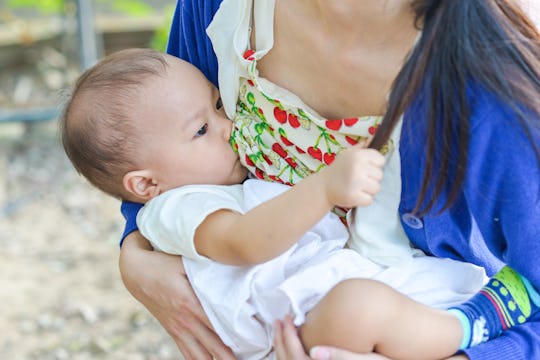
354, 178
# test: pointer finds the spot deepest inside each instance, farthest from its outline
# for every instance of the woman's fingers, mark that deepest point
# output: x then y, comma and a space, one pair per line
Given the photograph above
329, 353
159, 282
279, 345
185, 331
287, 344
193, 333
202, 343
292, 340
191, 349
209, 341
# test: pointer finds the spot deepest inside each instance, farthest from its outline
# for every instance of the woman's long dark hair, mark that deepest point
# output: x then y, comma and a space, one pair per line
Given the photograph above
490, 42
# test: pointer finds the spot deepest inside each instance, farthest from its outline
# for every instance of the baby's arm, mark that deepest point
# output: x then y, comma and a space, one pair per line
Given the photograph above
365, 316
271, 228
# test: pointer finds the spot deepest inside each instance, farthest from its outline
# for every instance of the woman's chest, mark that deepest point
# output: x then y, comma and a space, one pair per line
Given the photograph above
335, 85
335, 75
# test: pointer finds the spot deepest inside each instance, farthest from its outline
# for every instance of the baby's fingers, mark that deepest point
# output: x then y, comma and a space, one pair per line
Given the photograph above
375, 157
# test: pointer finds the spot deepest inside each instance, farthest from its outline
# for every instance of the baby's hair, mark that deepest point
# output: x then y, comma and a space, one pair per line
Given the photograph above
96, 125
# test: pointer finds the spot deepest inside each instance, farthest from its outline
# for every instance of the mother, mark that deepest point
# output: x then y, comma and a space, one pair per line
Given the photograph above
469, 89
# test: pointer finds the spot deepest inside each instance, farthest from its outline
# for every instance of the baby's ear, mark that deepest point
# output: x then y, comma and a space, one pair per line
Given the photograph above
141, 184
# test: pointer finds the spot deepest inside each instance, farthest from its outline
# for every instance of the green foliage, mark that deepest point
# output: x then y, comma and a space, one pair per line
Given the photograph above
161, 36
130, 7
135, 8
44, 6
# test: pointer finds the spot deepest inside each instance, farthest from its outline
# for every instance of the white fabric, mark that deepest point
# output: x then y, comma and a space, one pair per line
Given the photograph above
169, 221
376, 231
232, 25
243, 302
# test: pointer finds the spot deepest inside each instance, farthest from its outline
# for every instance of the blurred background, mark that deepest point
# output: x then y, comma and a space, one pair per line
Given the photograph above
61, 296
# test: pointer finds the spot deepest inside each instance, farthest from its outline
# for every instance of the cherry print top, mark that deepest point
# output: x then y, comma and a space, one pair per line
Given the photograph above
279, 138
279, 141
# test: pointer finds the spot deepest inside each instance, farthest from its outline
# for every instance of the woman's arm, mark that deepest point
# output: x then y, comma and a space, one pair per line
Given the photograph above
502, 193
159, 282
188, 39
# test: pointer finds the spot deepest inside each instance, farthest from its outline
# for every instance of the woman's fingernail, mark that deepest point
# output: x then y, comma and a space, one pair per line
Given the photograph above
319, 353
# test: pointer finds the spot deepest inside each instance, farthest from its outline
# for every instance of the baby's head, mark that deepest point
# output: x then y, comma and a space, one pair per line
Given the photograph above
141, 122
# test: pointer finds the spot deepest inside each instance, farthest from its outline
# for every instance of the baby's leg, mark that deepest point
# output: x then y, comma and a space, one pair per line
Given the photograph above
366, 316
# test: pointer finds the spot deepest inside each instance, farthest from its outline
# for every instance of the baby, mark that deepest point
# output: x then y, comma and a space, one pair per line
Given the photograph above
148, 127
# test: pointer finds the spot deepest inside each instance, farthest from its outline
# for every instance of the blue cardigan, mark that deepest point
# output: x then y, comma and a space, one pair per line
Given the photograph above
496, 218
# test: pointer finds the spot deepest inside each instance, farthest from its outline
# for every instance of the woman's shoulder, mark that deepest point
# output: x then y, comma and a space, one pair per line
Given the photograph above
492, 120
197, 7
482, 101
487, 109
190, 15
187, 37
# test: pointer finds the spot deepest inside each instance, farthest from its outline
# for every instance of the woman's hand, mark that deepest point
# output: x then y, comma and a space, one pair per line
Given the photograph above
287, 345
329, 353
159, 282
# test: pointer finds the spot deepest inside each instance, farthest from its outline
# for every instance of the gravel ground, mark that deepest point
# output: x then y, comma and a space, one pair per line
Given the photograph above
60, 288
61, 293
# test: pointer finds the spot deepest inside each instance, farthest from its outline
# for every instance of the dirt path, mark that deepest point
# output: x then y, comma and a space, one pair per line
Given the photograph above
61, 295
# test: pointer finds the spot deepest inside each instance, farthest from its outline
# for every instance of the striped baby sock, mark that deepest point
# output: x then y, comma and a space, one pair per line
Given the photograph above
508, 299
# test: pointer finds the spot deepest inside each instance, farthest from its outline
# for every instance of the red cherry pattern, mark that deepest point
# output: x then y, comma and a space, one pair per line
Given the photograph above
351, 140
275, 178
283, 137
280, 115
373, 129
249, 162
350, 122
248, 54
259, 173
291, 162
267, 159
286, 141
329, 158
279, 150
334, 124
285, 147
293, 120
315, 153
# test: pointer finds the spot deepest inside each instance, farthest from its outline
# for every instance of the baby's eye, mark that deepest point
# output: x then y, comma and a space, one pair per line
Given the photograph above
219, 104
202, 131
